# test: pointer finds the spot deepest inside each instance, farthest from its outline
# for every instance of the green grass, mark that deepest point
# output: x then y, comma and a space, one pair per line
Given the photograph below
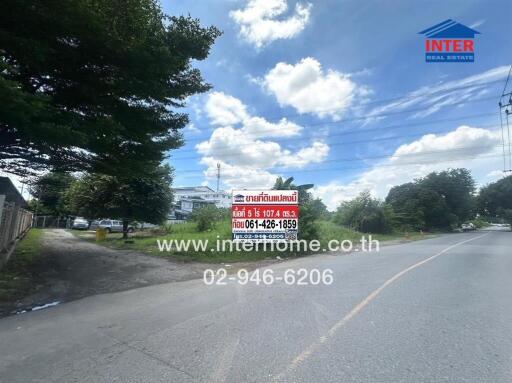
17, 275
147, 243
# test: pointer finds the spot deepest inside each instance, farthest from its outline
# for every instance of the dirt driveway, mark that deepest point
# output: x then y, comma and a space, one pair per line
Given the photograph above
72, 268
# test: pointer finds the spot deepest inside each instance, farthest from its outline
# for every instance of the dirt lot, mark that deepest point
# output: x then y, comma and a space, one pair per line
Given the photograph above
71, 268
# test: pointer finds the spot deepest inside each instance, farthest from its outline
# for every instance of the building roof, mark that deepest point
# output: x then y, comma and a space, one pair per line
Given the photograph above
449, 29
194, 189
196, 199
197, 189
12, 194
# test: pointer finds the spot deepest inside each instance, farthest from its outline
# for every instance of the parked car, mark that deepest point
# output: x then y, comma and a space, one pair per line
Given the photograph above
467, 227
114, 226
80, 223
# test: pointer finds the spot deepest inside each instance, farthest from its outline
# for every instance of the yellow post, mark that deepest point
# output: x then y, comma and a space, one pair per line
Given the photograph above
101, 234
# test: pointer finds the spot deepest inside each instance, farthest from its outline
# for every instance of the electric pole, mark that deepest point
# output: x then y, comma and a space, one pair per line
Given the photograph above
505, 105
218, 175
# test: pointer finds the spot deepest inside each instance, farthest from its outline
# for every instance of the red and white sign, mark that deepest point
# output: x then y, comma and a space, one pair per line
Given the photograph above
265, 215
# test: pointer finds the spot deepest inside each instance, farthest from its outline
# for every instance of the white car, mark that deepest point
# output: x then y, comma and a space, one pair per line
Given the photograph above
114, 226
467, 227
80, 223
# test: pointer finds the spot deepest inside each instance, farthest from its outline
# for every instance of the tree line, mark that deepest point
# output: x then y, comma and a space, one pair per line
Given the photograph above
439, 201
94, 86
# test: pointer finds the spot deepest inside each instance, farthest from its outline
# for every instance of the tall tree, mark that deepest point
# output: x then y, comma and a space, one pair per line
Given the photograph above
457, 188
439, 200
50, 191
495, 197
307, 212
365, 214
93, 84
145, 198
417, 207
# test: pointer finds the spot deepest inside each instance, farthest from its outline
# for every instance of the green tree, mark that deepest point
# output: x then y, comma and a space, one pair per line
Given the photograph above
457, 188
495, 196
320, 208
440, 200
93, 84
145, 198
308, 214
49, 191
365, 214
417, 207
506, 215
206, 217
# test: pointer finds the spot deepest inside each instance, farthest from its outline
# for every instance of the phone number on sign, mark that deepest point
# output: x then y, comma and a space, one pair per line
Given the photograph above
265, 224
300, 277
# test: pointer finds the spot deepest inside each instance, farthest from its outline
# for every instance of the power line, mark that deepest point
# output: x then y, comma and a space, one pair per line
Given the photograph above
373, 166
365, 118
341, 160
403, 98
234, 153
507, 108
358, 131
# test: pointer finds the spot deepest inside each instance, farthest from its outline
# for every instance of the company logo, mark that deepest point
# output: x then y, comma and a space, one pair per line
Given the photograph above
449, 41
239, 198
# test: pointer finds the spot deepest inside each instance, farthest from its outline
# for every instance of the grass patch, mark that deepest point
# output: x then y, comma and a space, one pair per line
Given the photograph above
147, 243
18, 274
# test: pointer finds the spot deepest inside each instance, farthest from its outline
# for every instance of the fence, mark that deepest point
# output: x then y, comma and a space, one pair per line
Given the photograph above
50, 221
14, 222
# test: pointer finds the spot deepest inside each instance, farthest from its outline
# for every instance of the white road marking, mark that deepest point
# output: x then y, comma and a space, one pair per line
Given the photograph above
356, 309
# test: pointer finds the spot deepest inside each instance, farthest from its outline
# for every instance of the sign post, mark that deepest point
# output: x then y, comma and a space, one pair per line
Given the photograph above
262, 216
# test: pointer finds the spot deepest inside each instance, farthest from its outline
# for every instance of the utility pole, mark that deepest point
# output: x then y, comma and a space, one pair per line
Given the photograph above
218, 175
505, 105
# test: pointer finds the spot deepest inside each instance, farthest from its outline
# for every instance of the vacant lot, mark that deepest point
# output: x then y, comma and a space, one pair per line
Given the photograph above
147, 242
52, 265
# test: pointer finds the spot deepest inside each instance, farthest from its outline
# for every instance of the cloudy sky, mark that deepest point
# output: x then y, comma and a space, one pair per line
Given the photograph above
337, 93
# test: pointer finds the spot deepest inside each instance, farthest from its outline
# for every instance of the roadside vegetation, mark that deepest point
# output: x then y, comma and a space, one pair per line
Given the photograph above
18, 277
146, 241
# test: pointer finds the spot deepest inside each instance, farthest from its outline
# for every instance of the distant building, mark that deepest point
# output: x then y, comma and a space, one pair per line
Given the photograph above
220, 198
12, 194
186, 199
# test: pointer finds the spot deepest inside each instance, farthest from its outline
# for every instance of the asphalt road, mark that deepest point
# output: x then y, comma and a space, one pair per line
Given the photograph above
438, 310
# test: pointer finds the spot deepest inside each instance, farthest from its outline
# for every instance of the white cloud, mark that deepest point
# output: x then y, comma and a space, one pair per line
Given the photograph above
238, 177
192, 129
307, 88
259, 127
417, 159
223, 109
226, 110
233, 145
433, 98
241, 144
262, 22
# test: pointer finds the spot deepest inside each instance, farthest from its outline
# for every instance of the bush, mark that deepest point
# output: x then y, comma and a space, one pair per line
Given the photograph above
207, 216
365, 214
308, 215
479, 222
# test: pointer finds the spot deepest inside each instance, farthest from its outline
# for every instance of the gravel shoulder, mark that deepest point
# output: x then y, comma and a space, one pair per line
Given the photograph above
71, 268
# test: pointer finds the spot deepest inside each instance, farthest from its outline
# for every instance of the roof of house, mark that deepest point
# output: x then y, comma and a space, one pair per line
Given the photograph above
12, 194
196, 199
449, 29
196, 189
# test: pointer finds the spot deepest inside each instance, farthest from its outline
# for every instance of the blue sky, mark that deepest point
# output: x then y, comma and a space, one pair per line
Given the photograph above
337, 93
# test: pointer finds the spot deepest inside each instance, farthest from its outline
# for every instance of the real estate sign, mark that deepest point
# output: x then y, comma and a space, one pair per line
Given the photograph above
270, 215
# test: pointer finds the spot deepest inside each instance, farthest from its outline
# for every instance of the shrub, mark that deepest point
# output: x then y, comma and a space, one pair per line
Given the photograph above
207, 216
365, 214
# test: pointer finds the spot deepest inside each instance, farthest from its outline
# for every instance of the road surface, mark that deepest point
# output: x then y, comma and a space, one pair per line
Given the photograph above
438, 310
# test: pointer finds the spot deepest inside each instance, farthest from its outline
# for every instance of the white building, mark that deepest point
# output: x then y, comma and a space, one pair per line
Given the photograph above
220, 198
